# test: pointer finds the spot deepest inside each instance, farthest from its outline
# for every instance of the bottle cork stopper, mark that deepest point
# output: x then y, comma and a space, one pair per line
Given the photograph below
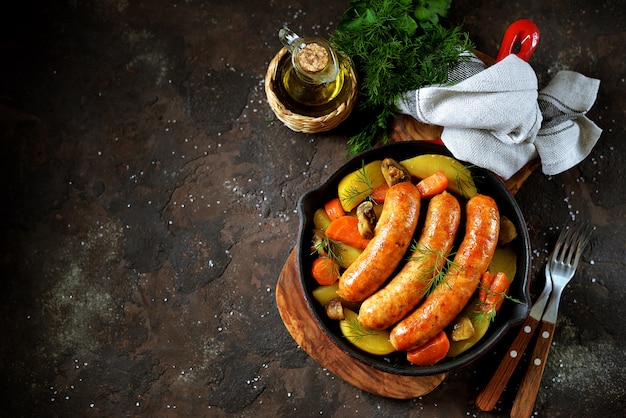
313, 58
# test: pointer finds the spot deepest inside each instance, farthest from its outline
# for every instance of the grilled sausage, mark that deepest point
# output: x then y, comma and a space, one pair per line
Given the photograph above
392, 236
450, 297
400, 296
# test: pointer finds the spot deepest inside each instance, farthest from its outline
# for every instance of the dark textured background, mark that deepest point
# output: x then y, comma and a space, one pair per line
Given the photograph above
148, 198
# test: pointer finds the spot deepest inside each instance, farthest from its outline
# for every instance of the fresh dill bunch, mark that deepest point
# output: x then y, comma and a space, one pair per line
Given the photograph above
396, 46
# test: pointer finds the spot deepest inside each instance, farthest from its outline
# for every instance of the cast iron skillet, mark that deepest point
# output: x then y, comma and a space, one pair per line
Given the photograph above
510, 314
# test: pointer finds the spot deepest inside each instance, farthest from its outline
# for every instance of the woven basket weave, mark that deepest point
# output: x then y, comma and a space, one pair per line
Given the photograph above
303, 123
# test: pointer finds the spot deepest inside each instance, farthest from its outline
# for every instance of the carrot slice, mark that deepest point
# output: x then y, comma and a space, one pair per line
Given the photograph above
334, 209
483, 287
497, 293
379, 193
325, 270
431, 352
432, 185
346, 230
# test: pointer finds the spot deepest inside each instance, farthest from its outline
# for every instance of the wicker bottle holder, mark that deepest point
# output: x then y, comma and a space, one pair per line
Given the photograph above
295, 120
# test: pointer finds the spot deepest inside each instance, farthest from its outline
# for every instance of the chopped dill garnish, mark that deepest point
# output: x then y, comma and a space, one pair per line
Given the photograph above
325, 246
437, 273
358, 331
354, 193
488, 310
464, 179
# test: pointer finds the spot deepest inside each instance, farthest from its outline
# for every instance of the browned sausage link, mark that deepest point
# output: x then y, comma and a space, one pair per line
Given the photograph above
392, 235
400, 296
450, 297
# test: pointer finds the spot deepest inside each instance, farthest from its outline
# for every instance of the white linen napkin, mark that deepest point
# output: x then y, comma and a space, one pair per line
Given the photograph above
495, 117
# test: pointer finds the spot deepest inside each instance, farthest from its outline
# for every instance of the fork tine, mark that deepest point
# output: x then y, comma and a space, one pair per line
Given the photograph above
559, 243
564, 237
571, 244
583, 239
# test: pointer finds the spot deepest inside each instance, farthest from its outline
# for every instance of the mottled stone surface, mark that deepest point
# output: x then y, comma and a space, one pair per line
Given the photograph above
148, 202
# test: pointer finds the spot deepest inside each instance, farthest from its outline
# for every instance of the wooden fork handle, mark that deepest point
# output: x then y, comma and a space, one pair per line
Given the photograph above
488, 397
527, 393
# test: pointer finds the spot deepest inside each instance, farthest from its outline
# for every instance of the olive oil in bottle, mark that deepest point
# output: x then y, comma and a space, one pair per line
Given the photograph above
312, 75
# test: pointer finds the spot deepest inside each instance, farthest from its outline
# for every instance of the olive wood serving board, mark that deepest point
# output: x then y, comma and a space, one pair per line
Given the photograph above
303, 328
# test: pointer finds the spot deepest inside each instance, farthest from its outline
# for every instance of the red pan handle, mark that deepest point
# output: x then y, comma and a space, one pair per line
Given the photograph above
520, 38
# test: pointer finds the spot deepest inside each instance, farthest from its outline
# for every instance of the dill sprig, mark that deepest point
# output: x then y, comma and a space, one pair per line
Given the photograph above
358, 331
396, 46
464, 179
362, 177
437, 273
323, 245
489, 311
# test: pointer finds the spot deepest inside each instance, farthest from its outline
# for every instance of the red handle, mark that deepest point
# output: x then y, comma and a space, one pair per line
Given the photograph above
521, 39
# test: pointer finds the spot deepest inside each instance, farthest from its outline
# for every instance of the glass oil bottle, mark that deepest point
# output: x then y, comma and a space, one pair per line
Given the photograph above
312, 76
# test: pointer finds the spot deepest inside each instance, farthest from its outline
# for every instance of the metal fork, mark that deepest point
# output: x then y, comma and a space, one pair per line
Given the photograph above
567, 251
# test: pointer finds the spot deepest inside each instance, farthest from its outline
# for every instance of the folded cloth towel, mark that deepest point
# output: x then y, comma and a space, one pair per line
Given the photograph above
495, 117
